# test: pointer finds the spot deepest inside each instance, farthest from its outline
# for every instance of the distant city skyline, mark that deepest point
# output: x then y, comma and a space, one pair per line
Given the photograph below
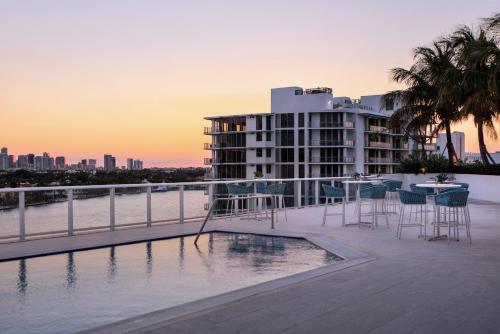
137, 78
46, 161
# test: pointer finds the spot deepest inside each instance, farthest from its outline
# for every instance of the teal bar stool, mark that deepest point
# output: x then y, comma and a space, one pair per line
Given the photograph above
417, 200
235, 193
331, 194
374, 195
456, 203
392, 187
277, 190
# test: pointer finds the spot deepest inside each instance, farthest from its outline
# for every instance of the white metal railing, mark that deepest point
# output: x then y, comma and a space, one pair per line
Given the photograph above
328, 142
320, 124
379, 144
331, 159
430, 147
376, 128
298, 195
380, 160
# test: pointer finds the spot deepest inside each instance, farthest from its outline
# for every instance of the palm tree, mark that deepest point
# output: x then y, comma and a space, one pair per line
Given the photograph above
423, 101
478, 92
493, 23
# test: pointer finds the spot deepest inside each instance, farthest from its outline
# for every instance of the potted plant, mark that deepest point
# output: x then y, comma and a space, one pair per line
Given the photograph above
356, 176
258, 174
441, 178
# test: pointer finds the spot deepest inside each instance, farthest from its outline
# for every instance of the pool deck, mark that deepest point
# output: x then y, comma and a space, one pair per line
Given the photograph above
400, 286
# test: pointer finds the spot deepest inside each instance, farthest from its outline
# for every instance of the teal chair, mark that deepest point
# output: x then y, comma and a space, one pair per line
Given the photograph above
421, 190
455, 202
392, 187
331, 194
277, 190
417, 200
374, 195
235, 193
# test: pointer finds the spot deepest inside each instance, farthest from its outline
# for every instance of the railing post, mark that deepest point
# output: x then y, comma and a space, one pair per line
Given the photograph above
70, 212
112, 209
22, 221
299, 194
316, 191
347, 194
148, 213
181, 204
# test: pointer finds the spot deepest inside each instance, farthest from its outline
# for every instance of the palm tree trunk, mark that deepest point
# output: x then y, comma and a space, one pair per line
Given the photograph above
423, 153
482, 146
452, 154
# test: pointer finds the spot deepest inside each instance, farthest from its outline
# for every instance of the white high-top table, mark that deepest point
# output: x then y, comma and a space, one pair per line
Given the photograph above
437, 188
358, 183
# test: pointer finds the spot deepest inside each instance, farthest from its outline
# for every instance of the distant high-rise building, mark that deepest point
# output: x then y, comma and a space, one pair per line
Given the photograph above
11, 164
92, 164
38, 164
60, 162
458, 140
22, 162
130, 163
4, 159
31, 161
137, 165
109, 162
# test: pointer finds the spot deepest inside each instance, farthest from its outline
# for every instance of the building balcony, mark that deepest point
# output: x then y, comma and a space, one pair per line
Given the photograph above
380, 160
338, 125
376, 128
341, 160
207, 161
207, 131
401, 146
207, 146
379, 144
430, 147
325, 142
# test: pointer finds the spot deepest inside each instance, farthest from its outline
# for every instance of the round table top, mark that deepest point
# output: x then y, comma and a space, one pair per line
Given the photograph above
438, 185
356, 181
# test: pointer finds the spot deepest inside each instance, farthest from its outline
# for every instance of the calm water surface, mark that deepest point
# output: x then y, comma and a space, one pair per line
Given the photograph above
129, 208
74, 291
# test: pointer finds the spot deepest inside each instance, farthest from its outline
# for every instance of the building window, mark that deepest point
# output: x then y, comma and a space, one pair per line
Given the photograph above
389, 104
259, 136
258, 168
268, 123
269, 169
301, 137
284, 120
259, 153
268, 136
301, 155
268, 152
258, 121
301, 120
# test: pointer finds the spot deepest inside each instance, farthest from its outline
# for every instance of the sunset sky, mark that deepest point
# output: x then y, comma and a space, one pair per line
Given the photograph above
136, 78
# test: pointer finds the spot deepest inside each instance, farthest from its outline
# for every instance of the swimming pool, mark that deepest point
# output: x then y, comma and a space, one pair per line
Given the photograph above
79, 290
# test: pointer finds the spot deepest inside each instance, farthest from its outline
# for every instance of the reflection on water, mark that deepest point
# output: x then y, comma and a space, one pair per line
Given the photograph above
22, 283
70, 271
78, 290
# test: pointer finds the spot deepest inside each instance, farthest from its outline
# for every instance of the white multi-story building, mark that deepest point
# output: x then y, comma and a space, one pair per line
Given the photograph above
458, 140
309, 133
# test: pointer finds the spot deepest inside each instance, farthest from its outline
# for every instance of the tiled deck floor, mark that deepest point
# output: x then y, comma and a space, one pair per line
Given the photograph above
413, 286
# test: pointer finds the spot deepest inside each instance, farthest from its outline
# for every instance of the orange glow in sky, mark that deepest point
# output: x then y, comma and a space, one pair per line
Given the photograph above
135, 79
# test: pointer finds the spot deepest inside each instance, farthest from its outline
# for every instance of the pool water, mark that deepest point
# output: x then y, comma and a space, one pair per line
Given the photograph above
79, 290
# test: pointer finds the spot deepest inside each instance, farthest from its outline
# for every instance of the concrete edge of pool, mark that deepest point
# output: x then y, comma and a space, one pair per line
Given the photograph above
351, 257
